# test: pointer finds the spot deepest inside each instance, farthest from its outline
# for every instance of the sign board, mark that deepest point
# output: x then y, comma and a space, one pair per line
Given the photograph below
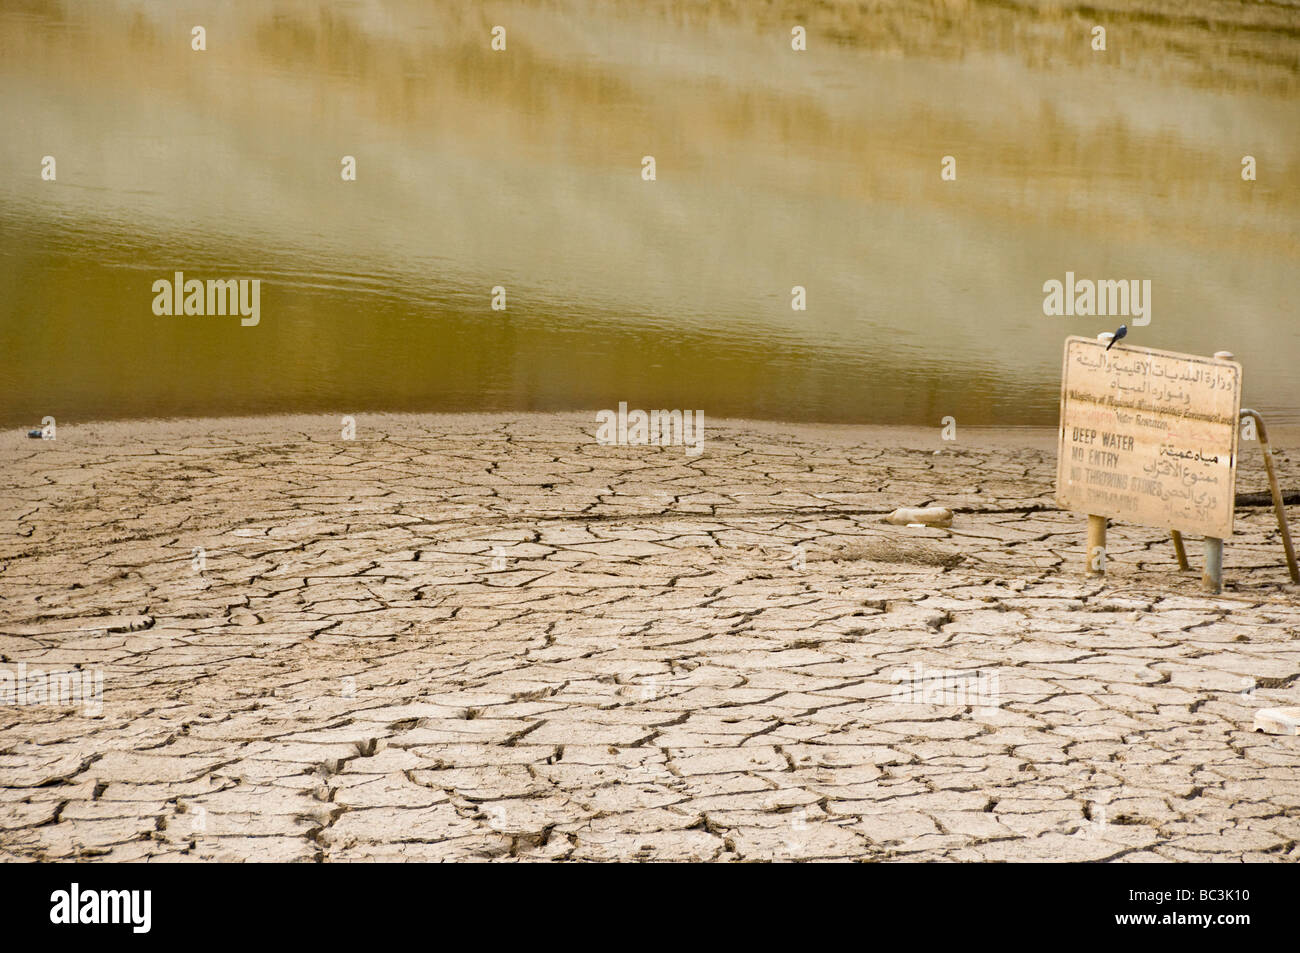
1149, 436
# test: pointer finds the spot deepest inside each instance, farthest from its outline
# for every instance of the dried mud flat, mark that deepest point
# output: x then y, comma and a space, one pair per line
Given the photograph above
489, 637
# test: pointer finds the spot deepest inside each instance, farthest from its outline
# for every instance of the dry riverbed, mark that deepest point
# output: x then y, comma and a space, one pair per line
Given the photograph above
489, 637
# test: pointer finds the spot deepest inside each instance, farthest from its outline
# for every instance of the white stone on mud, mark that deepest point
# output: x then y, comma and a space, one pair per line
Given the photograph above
1278, 721
939, 516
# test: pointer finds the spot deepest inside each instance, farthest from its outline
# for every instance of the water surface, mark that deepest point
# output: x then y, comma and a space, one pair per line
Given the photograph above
522, 169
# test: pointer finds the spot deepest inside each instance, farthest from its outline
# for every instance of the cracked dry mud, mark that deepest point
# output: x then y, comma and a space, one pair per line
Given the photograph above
483, 637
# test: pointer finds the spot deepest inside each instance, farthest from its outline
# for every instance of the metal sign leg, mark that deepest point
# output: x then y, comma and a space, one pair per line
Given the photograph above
1212, 577
1180, 551
1096, 545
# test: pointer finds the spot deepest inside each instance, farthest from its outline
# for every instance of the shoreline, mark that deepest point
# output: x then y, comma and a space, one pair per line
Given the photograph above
178, 425
1281, 435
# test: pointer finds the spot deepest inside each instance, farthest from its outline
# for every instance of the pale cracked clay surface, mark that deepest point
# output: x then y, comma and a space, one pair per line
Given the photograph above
490, 638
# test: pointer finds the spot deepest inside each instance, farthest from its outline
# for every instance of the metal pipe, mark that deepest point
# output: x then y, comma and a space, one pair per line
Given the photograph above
1262, 433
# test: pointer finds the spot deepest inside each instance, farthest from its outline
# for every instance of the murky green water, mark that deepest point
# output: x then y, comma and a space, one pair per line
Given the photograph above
523, 169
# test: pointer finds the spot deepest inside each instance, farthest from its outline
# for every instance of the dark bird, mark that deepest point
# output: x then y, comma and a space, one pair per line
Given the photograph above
1123, 330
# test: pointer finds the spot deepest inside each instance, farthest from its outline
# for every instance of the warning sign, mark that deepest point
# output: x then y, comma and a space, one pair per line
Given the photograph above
1149, 436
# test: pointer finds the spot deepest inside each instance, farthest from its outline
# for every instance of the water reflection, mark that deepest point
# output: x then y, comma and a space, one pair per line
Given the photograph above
521, 169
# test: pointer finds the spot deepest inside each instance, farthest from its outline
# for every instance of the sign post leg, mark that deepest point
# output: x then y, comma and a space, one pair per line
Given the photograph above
1212, 577
1180, 551
1096, 545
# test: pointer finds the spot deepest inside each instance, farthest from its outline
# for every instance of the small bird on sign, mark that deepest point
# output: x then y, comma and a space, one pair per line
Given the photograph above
1123, 330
